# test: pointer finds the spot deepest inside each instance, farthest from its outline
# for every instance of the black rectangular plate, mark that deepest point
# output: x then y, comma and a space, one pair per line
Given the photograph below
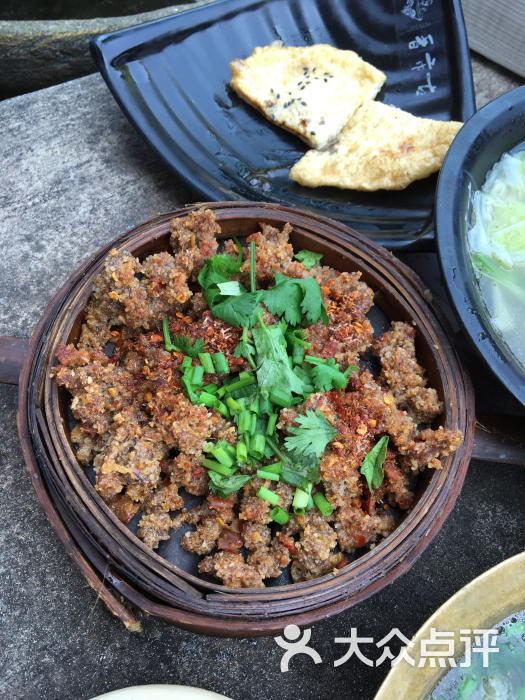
170, 77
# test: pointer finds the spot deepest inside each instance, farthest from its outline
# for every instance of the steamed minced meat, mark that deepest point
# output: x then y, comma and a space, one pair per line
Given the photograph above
199, 394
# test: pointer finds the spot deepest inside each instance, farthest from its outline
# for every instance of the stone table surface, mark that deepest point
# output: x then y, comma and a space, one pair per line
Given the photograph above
74, 175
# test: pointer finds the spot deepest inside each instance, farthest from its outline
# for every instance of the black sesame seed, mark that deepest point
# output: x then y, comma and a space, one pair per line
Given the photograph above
278, 96
299, 83
313, 71
325, 73
325, 80
312, 133
271, 89
303, 103
303, 87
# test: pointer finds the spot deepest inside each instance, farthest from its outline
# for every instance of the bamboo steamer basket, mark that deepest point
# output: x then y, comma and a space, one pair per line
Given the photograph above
125, 573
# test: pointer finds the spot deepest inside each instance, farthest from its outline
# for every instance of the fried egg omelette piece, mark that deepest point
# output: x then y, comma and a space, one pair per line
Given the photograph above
381, 148
311, 91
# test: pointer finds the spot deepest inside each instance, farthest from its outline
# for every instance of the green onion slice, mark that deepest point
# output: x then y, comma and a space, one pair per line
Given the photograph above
207, 399
257, 445
217, 467
242, 452
322, 503
281, 398
279, 515
268, 495
207, 362
271, 476
220, 362
222, 456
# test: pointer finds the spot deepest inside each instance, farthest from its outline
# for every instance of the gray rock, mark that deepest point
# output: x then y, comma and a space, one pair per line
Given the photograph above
75, 175
41, 53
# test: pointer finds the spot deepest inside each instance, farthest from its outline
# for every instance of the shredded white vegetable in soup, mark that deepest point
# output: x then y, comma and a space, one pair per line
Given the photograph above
497, 246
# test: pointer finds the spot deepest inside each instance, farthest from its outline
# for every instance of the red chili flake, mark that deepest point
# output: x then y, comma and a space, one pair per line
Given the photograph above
342, 563
136, 472
219, 503
164, 466
287, 542
197, 473
155, 338
328, 350
155, 286
361, 540
338, 407
403, 504
253, 237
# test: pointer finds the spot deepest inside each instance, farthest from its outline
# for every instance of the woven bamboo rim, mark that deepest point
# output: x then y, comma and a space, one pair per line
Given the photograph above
117, 564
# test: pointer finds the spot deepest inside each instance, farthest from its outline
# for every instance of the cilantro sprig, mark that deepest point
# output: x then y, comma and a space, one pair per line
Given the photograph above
228, 300
273, 366
180, 344
308, 258
245, 348
325, 374
294, 468
296, 299
312, 436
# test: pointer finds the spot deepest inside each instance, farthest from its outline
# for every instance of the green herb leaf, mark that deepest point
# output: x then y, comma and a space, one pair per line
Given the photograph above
293, 298
308, 258
236, 310
372, 467
217, 269
326, 377
223, 486
273, 370
313, 307
245, 348
313, 435
303, 465
183, 344
284, 299
304, 373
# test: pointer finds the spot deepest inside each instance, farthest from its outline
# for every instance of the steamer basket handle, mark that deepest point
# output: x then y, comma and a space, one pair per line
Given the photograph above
499, 438
12, 351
